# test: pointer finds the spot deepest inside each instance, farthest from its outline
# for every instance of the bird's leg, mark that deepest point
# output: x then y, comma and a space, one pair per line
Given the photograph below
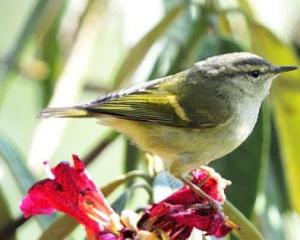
196, 189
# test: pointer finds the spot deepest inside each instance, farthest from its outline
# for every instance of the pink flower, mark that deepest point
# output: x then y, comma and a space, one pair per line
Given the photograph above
184, 210
71, 191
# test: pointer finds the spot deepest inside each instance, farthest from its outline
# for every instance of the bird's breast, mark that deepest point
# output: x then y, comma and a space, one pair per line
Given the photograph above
244, 121
186, 148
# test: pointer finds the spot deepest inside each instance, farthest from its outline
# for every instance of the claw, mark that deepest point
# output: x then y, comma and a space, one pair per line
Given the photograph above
215, 204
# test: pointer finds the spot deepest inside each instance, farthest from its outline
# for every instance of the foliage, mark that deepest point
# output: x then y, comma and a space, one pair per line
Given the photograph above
66, 51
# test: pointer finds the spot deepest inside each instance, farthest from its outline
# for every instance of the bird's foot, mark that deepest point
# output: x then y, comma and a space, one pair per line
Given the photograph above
197, 189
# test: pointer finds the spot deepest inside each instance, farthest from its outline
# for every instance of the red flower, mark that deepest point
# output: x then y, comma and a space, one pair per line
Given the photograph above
71, 191
179, 213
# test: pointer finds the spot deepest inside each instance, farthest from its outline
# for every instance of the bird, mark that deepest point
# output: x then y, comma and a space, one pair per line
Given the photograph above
192, 117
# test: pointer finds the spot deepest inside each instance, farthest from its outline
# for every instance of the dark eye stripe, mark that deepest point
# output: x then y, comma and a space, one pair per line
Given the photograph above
254, 73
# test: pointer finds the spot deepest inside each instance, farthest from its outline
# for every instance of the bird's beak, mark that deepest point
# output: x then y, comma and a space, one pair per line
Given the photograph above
281, 69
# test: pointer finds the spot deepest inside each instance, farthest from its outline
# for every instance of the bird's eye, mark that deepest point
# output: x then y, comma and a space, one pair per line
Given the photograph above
254, 73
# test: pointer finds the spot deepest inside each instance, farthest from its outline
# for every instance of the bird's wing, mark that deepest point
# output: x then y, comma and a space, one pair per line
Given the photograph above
144, 106
151, 102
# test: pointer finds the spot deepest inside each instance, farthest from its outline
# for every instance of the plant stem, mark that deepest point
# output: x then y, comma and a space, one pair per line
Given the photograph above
246, 231
109, 138
10, 228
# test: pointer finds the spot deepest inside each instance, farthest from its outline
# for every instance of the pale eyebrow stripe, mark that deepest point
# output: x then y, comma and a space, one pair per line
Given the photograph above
251, 61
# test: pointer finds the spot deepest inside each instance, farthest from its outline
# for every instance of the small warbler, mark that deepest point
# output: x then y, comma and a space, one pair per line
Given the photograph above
189, 118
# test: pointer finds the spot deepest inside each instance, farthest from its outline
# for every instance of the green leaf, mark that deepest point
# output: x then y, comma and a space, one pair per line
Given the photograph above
60, 229
246, 165
275, 198
288, 117
268, 204
139, 51
201, 43
286, 101
72, 75
275, 180
15, 162
215, 44
121, 201
175, 43
266, 44
5, 215
223, 23
247, 230
49, 50
23, 176
18, 47
132, 157
245, 6
187, 53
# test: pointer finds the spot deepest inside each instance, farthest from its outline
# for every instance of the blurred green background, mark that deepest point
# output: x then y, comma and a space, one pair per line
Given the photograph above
63, 52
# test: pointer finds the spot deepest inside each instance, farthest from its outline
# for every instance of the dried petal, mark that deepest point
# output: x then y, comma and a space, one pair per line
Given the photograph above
179, 213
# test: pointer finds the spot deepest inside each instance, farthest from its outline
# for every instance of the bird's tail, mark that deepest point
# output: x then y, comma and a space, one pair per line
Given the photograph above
64, 112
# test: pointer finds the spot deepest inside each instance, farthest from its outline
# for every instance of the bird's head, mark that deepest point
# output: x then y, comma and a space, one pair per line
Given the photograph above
248, 71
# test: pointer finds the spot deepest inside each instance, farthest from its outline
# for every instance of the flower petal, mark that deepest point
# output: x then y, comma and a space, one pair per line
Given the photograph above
211, 182
179, 213
65, 193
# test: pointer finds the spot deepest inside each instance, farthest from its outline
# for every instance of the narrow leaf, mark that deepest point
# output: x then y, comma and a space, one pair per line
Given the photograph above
247, 230
214, 44
15, 162
121, 201
187, 53
245, 6
5, 215
277, 176
23, 176
49, 50
60, 229
286, 100
245, 166
72, 75
18, 47
139, 51
171, 53
274, 199
131, 160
